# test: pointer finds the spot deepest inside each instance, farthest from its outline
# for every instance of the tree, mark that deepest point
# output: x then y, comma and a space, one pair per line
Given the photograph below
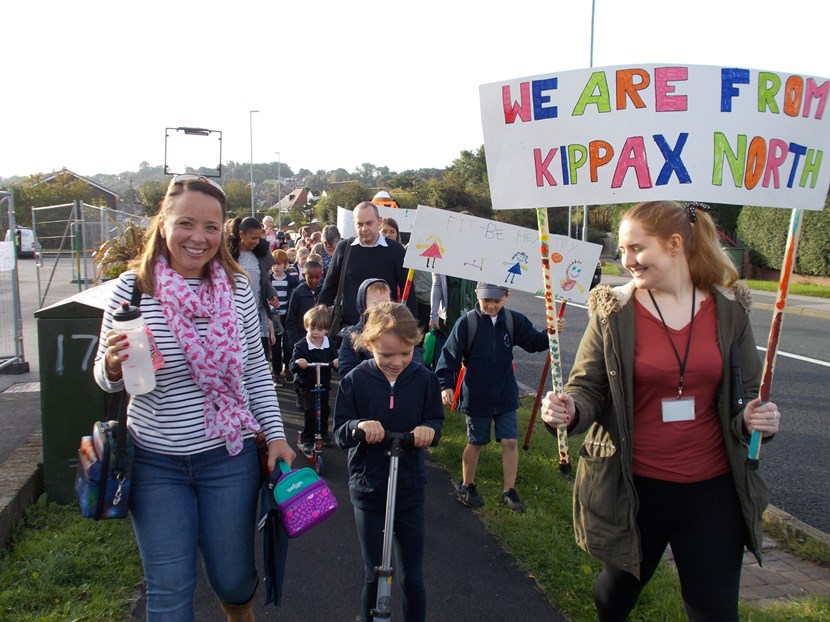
405, 181
317, 182
346, 195
34, 192
150, 195
471, 166
452, 193
464, 185
238, 197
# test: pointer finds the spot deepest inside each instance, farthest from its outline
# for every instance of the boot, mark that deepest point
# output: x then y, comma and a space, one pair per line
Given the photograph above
239, 613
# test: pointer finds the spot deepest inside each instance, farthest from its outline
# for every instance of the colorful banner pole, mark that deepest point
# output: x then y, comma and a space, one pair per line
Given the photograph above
553, 334
409, 276
793, 235
457, 391
541, 389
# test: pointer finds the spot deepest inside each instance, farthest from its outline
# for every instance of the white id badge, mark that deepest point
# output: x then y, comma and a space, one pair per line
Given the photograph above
682, 409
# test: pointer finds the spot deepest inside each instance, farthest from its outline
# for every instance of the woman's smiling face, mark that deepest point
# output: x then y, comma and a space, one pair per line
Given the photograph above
192, 231
650, 261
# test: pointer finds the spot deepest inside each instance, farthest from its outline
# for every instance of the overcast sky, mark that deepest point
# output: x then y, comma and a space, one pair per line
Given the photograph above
91, 85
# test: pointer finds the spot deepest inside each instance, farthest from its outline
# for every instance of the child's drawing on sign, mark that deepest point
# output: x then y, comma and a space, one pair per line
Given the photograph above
572, 273
433, 249
476, 263
517, 263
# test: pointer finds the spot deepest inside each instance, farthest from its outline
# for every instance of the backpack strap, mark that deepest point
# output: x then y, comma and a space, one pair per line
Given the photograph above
135, 299
472, 327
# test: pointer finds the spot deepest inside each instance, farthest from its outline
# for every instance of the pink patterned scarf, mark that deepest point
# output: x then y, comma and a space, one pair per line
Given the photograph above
215, 363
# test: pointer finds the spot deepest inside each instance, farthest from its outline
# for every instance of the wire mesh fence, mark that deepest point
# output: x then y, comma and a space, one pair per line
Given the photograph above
75, 231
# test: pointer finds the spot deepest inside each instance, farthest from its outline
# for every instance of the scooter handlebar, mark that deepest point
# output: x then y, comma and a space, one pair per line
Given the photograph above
407, 439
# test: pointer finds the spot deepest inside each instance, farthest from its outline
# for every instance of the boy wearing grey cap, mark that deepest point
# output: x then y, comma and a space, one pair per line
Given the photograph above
489, 393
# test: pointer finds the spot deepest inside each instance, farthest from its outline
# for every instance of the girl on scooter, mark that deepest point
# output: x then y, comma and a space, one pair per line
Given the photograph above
389, 392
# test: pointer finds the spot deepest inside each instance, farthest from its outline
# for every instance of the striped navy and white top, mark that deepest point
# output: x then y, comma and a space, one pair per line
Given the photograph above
281, 287
170, 419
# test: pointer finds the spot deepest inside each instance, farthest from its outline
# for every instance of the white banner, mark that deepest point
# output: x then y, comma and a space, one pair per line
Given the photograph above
6, 256
404, 218
500, 253
648, 132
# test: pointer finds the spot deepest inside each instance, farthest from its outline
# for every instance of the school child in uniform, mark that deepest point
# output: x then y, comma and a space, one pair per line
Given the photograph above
314, 348
284, 285
389, 392
489, 393
303, 298
370, 292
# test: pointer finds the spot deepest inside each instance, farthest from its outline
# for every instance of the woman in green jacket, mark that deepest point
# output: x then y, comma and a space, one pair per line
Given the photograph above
663, 461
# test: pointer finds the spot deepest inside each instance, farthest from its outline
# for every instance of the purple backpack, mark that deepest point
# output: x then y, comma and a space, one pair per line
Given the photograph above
303, 498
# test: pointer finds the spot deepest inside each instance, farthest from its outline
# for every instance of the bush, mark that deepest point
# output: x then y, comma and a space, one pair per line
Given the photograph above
764, 231
115, 255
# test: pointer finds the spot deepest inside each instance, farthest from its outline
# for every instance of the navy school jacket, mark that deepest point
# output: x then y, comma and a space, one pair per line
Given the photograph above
489, 387
414, 400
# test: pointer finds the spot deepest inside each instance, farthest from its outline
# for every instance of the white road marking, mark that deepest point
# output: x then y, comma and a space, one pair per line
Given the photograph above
797, 357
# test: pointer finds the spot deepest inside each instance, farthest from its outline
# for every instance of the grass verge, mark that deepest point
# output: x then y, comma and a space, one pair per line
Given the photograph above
61, 566
798, 541
612, 268
542, 539
609, 267
799, 289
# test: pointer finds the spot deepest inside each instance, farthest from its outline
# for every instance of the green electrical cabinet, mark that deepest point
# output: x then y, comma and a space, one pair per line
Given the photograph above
70, 400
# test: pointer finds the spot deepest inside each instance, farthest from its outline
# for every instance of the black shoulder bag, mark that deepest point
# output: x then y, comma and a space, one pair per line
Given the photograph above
336, 310
102, 483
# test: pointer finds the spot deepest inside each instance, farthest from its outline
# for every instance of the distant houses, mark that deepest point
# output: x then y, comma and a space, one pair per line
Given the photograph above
299, 198
99, 193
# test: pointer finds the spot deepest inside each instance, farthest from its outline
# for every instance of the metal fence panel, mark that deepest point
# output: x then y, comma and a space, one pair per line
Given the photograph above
12, 358
75, 231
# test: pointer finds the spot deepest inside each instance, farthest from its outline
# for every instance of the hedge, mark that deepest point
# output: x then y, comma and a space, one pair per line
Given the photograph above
764, 231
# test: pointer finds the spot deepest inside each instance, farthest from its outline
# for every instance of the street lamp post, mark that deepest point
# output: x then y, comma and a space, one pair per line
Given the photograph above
279, 171
251, 130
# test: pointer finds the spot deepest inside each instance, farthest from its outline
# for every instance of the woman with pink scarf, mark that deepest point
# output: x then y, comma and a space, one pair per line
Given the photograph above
195, 476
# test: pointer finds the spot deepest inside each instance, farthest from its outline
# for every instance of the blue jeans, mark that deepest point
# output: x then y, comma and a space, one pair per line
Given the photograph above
408, 558
206, 500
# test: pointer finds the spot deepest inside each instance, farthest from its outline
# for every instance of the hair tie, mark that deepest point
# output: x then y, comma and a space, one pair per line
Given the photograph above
691, 210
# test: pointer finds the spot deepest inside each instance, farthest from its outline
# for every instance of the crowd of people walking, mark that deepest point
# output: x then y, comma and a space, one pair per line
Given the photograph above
239, 308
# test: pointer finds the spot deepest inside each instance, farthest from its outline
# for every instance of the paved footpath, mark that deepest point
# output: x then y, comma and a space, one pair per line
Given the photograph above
469, 576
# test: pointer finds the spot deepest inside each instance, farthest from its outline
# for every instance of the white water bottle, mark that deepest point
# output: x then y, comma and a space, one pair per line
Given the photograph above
139, 376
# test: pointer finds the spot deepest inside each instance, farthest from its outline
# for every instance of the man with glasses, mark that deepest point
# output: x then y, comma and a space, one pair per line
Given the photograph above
370, 256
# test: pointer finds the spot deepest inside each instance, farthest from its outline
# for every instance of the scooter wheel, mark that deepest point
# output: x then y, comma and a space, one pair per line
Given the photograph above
318, 464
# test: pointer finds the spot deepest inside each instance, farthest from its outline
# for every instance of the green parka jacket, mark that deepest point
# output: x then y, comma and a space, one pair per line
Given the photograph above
601, 383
